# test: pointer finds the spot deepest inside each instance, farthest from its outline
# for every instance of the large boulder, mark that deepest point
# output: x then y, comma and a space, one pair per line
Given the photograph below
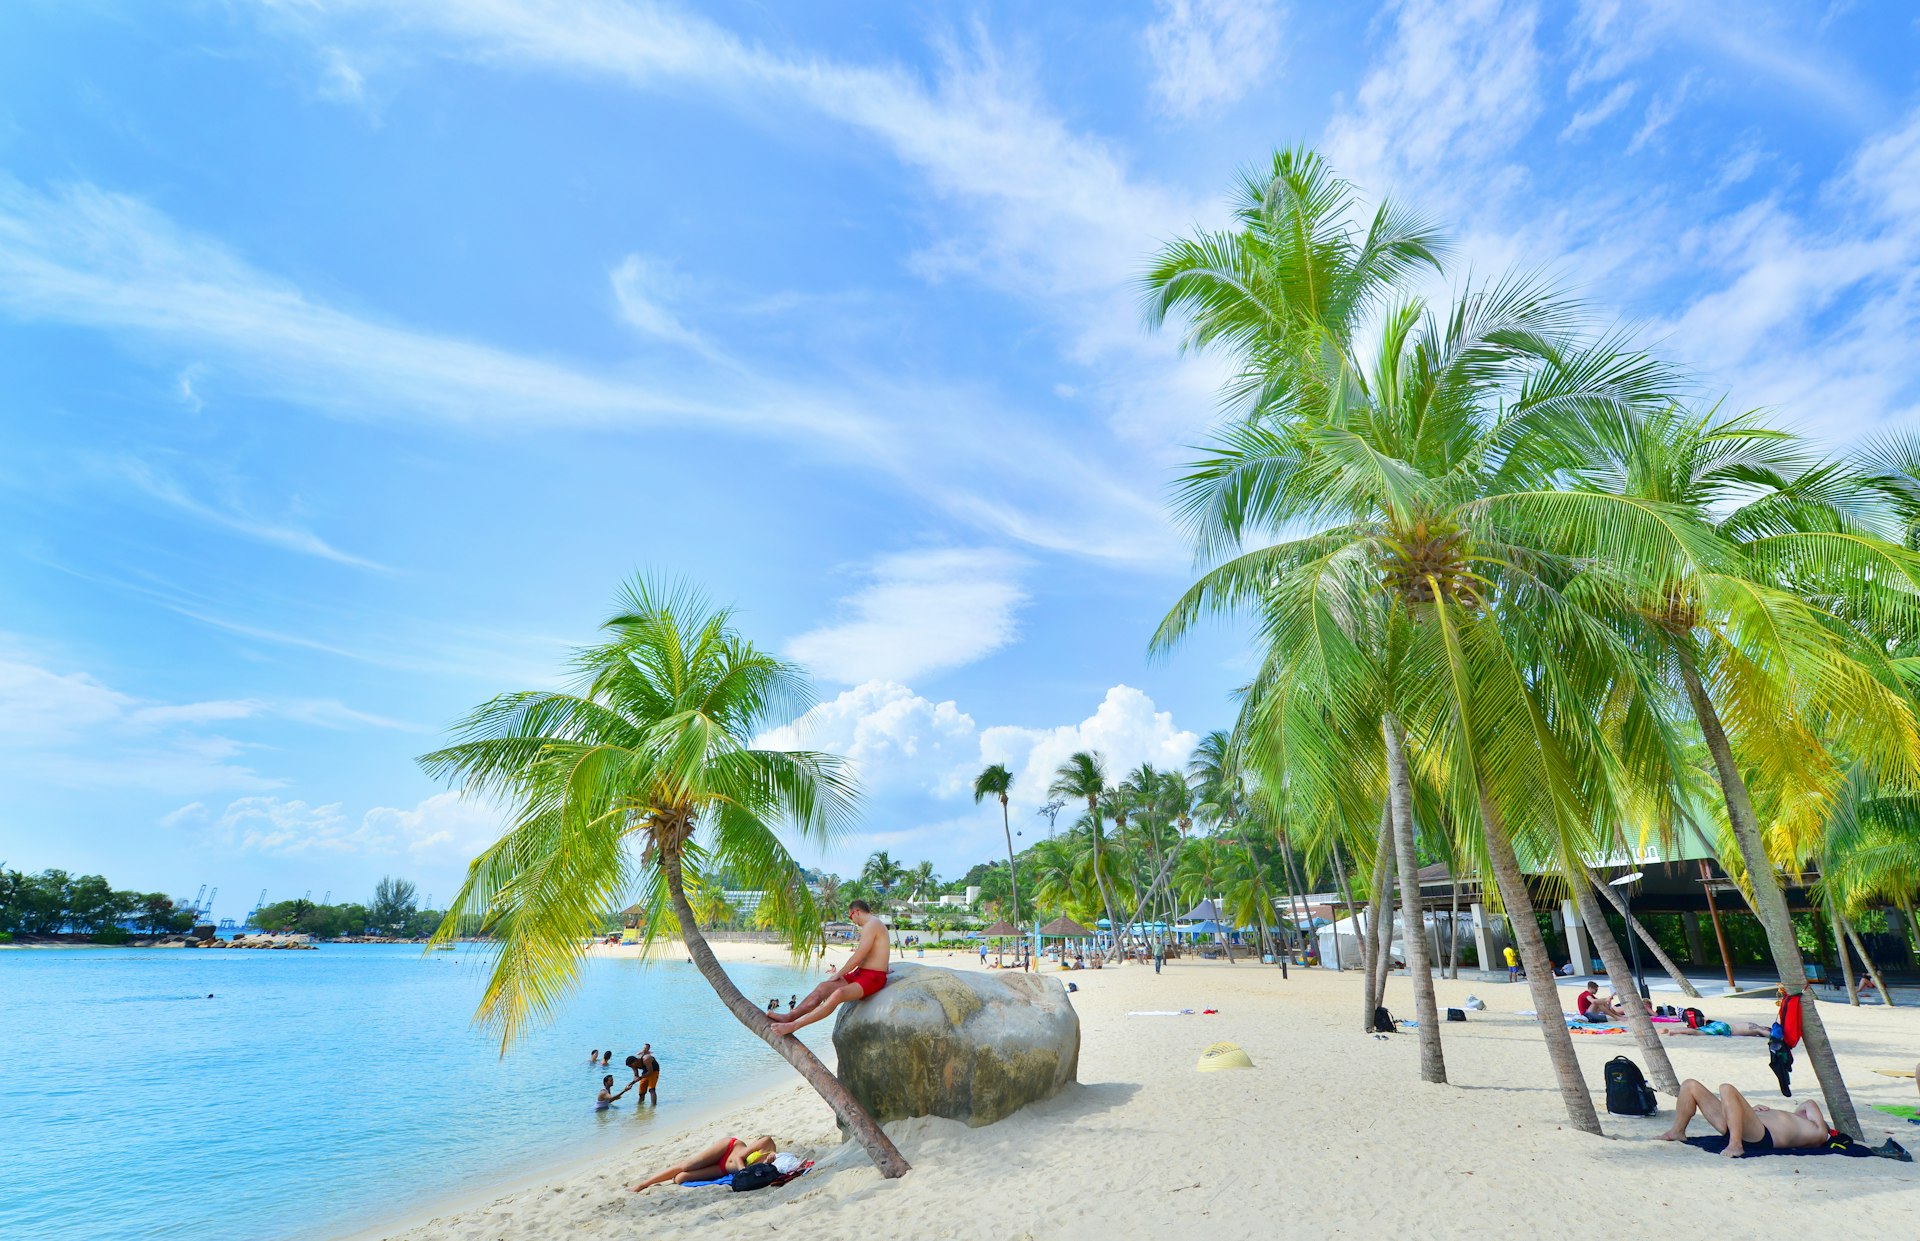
969, 1046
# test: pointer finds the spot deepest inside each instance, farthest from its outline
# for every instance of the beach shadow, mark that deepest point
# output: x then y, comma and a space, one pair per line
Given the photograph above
1078, 1100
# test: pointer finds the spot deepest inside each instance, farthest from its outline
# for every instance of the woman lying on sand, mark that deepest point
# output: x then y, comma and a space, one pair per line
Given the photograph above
727, 1155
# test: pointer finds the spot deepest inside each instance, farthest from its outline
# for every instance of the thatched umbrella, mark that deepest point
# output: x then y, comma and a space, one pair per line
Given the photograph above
1000, 930
1064, 927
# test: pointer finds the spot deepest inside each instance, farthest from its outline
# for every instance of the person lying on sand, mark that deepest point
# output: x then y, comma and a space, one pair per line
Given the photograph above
1745, 1125
1726, 1029
724, 1156
864, 973
608, 1094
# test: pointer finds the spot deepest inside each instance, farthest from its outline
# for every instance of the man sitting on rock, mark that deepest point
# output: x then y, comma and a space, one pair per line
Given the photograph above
864, 973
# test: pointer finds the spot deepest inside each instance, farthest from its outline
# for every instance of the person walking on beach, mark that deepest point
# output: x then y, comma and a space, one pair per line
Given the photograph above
649, 1076
608, 1094
864, 973
1745, 1125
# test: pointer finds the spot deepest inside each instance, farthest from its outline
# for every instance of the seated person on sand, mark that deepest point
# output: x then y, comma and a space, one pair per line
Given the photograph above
1597, 1011
864, 973
1727, 1029
723, 1157
1745, 1125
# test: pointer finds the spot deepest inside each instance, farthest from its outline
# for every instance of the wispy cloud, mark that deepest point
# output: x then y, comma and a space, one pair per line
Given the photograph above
919, 612
444, 827
159, 485
1210, 53
1594, 113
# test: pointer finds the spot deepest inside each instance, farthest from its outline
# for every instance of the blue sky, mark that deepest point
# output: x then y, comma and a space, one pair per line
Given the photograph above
352, 353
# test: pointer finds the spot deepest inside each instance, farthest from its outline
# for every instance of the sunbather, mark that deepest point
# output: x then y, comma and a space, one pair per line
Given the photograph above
1725, 1029
1745, 1125
725, 1156
1597, 1011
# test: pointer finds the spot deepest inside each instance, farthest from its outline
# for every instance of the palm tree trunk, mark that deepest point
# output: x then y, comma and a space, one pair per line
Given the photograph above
1100, 881
1166, 864
873, 1139
1433, 1061
1013, 870
1453, 926
1533, 954
1370, 943
1769, 902
1620, 975
1346, 898
1383, 943
1634, 927
1841, 951
1296, 881
1873, 971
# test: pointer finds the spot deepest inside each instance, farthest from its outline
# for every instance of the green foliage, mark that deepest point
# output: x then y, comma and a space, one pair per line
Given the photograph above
53, 902
112, 935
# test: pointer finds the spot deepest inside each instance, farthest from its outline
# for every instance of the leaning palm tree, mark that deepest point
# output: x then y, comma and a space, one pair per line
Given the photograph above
923, 880
997, 781
641, 781
883, 873
1084, 776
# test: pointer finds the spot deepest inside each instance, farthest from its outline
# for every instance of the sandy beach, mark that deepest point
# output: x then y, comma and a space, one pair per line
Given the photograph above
1331, 1134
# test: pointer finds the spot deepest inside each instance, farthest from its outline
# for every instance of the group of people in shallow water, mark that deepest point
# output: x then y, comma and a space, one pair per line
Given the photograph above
646, 1076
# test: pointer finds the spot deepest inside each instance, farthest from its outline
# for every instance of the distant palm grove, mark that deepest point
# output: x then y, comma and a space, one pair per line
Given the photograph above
1521, 596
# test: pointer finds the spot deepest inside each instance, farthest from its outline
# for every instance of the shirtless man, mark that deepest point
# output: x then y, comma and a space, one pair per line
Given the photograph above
1744, 1124
864, 973
648, 1073
726, 1155
608, 1094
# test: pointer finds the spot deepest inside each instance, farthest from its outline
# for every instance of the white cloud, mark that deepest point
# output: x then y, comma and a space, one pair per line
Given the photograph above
71, 728
1458, 82
159, 485
1209, 53
921, 611
1126, 729
1591, 115
1661, 110
443, 827
895, 739
901, 741
643, 289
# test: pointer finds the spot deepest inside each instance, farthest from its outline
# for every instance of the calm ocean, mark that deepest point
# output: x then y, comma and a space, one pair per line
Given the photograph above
322, 1091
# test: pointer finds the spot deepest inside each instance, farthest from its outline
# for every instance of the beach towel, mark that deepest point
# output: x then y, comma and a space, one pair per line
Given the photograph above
716, 1183
1163, 1012
1905, 1111
1838, 1144
1583, 1027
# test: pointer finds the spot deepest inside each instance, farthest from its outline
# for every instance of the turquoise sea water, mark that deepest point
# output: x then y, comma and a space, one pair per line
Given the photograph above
322, 1091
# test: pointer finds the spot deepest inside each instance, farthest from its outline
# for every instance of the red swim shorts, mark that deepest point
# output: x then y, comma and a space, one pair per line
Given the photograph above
869, 981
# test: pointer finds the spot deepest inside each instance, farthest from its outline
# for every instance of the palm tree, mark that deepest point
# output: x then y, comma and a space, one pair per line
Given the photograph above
1084, 776
997, 781
923, 879
1769, 668
829, 899
883, 873
1431, 594
650, 747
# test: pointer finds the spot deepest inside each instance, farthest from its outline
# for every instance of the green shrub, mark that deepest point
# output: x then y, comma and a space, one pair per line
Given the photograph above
111, 935
6, 937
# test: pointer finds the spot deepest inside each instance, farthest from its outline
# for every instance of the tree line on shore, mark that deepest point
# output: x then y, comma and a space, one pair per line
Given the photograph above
394, 912
54, 902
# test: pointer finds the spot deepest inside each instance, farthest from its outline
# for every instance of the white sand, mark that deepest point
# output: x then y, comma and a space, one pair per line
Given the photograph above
1330, 1135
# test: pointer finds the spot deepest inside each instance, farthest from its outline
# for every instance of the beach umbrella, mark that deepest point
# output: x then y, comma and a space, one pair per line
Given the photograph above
1205, 911
1001, 930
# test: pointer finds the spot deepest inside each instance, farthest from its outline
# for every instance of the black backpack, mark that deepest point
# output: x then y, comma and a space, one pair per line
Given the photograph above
755, 1176
1383, 1021
1456, 1014
1627, 1091
1694, 1018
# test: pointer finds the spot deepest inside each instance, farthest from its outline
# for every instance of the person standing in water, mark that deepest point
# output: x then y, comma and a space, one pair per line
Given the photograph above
649, 1076
864, 973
